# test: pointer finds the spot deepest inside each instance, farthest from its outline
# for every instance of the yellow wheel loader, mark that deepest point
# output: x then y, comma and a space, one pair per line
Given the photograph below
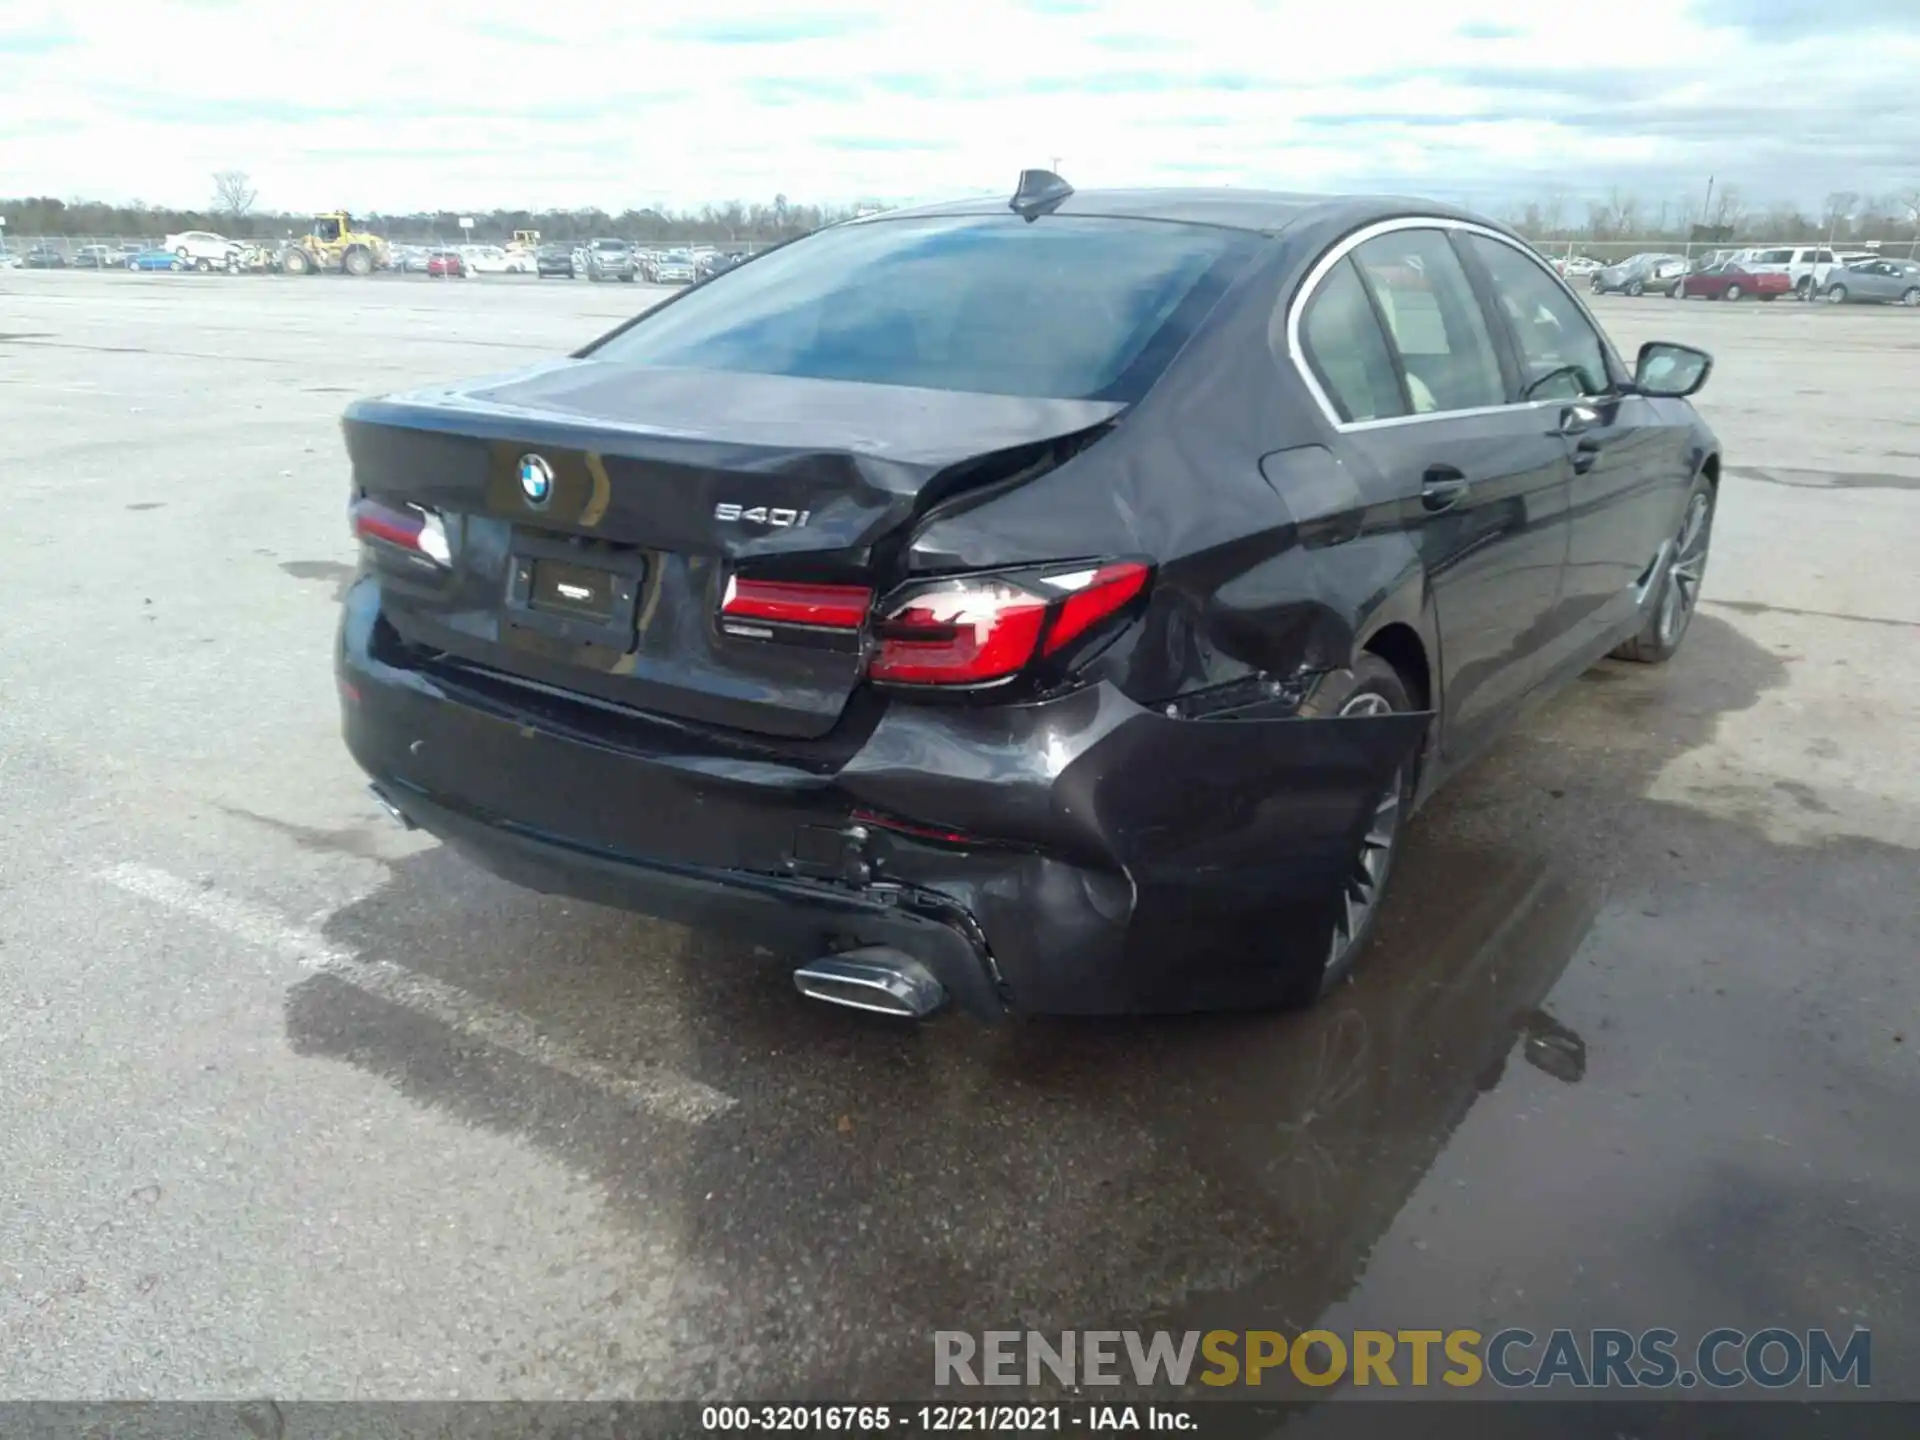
334, 245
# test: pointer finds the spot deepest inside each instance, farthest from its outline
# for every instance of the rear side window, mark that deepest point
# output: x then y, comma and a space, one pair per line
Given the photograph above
1561, 355
1346, 350
1434, 321
1068, 307
1774, 257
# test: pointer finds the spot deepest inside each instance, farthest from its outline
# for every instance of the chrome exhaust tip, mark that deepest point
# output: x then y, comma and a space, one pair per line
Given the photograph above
875, 978
394, 812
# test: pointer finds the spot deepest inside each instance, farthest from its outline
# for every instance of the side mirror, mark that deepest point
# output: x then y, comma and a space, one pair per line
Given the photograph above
1669, 371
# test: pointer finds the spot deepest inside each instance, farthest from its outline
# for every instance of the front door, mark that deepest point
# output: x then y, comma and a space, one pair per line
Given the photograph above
1627, 486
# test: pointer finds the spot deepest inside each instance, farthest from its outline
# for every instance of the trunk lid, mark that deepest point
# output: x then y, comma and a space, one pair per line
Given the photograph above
660, 484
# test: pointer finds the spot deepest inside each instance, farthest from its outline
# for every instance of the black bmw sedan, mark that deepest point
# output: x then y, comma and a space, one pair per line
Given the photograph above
1054, 605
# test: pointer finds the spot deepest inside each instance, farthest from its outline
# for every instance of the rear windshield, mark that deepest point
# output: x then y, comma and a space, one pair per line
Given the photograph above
1068, 308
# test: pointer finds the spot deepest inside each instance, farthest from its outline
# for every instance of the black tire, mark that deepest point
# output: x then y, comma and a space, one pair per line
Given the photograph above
1733, 292
1373, 678
1803, 287
1659, 639
1635, 289
357, 262
1597, 287
1836, 294
1911, 297
626, 279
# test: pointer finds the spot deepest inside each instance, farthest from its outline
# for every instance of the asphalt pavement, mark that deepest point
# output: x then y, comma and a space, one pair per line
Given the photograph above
295, 1104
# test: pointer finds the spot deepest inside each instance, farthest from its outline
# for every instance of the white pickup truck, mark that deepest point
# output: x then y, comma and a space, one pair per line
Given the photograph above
1806, 266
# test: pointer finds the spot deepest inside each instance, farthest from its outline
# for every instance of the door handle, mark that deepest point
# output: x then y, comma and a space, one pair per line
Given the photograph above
1585, 452
1577, 419
1441, 488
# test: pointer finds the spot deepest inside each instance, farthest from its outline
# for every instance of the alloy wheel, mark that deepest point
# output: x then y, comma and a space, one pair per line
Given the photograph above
1688, 570
1367, 876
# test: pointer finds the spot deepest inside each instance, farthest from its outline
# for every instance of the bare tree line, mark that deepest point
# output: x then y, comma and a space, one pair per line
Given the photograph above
1624, 215
1620, 215
233, 212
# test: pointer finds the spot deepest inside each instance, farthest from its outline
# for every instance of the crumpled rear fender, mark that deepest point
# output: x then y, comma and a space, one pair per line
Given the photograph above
1138, 861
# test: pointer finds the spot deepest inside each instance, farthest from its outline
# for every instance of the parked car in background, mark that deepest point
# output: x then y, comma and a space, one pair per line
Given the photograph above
408, 259
8, 260
716, 262
44, 256
1805, 266
155, 260
611, 260
1874, 282
554, 260
1729, 280
1131, 728
95, 257
486, 259
448, 264
1638, 274
1577, 267
675, 268
202, 249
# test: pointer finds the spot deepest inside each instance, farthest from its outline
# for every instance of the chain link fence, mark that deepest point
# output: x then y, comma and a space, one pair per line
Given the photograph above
1612, 251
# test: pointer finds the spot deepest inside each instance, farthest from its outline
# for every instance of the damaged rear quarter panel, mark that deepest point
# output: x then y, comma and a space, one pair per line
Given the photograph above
1218, 848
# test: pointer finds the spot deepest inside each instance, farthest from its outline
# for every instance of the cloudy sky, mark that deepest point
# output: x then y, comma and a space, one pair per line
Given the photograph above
414, 104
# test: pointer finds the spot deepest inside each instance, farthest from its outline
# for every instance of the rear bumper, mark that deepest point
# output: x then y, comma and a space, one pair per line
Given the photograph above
1100, 858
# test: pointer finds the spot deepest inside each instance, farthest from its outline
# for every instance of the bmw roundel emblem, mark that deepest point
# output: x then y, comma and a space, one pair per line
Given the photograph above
536, 479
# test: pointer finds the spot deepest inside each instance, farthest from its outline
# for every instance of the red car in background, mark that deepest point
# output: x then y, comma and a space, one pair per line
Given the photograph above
1727, 281
448, 264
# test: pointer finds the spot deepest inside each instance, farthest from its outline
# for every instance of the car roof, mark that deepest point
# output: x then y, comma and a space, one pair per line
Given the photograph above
1265, 212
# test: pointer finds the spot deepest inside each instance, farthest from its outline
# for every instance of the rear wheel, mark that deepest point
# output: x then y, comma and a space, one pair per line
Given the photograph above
1377, 690
1836, 294
1803, 287
1668, 612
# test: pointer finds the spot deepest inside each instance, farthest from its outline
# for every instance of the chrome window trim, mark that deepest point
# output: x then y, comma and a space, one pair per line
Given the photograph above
1296, 351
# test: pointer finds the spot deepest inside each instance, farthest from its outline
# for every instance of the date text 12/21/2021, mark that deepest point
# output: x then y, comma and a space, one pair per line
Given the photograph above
946, 1419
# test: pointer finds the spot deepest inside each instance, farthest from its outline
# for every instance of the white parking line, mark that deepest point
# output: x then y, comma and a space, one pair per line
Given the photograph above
655, 1091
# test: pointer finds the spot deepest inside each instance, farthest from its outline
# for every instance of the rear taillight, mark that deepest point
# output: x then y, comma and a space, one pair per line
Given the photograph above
963, 633
987, 629
786, 602
419, 532
1094, 596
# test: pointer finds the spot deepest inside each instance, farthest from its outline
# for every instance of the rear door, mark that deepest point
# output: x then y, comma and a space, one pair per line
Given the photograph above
1626, 453
1396, 338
